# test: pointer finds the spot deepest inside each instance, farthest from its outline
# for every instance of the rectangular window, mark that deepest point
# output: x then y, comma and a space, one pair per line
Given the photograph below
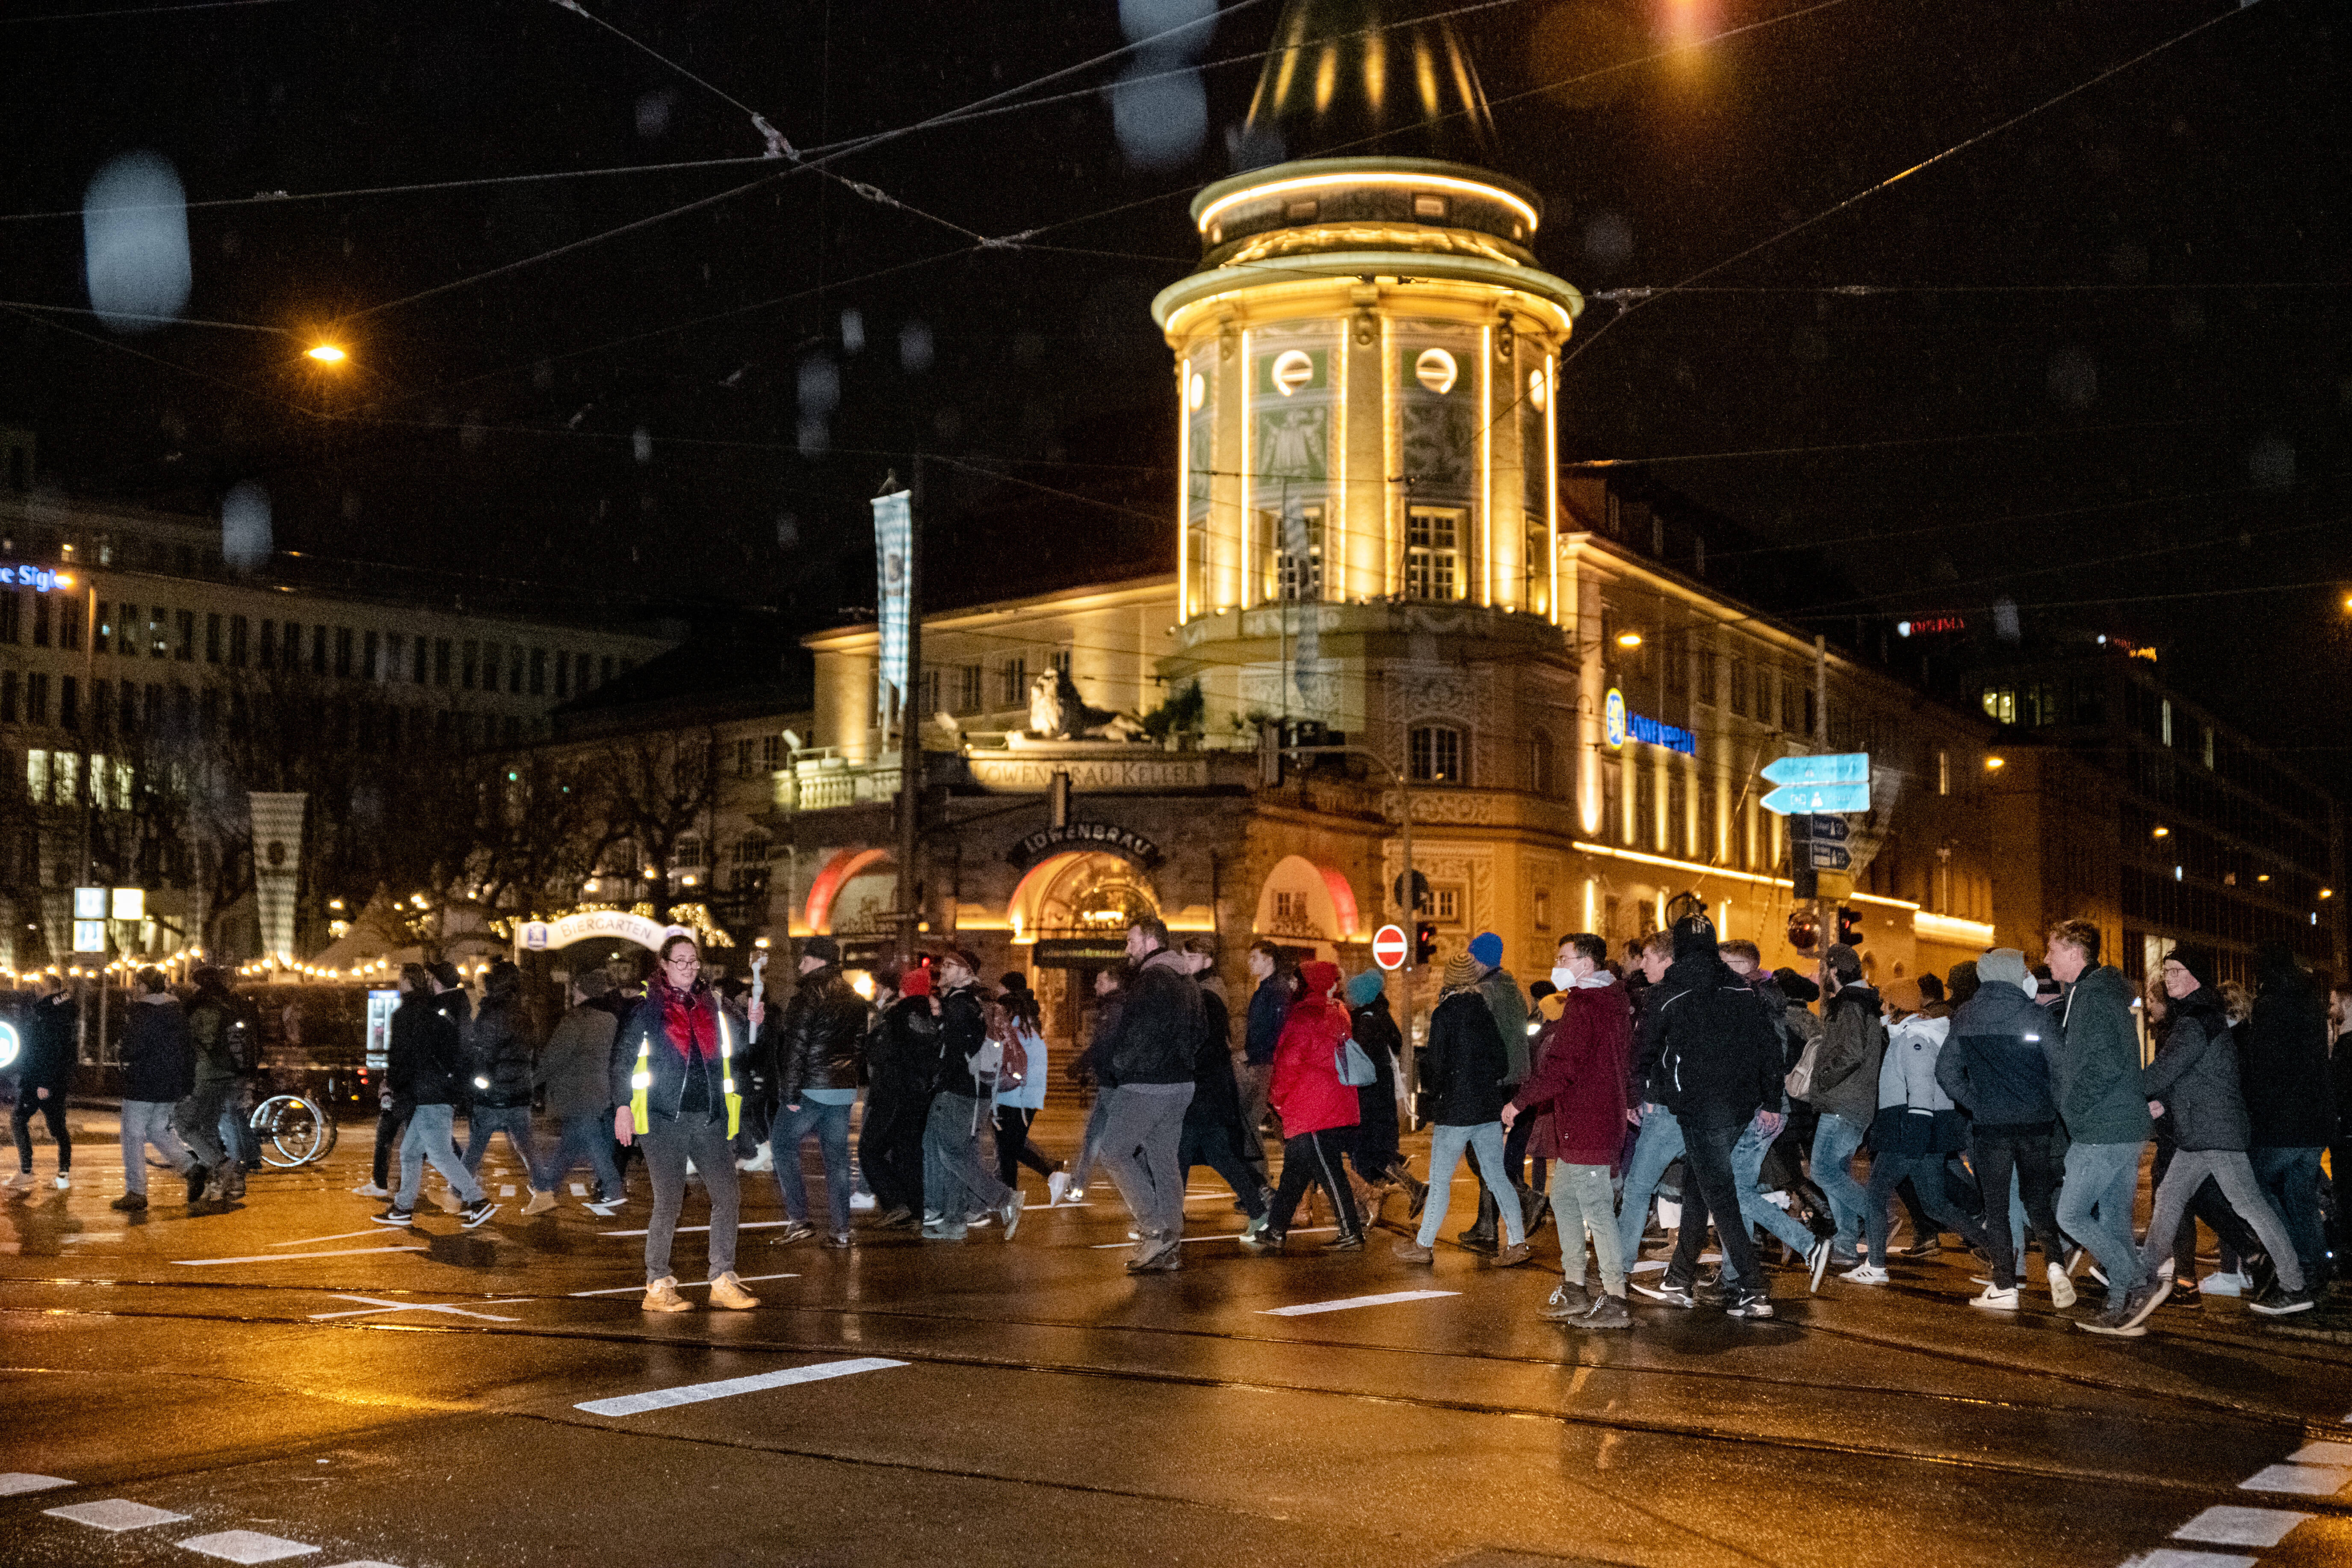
212, 637
343, 652
183, 645
1294, 557
745, 755
514, 670
101, 705
69, 703
1709, 667
70, 619
12, 609
441, 661
1943, 772
1739, 687
236, 638
968, 689
40, 620
1812, 714
1433, 553
372, 667
65, 778
1012, 682
127, 708
689, 852
927, 693
562, 672
1436, 754
1060, 660
104, 641
1446, 904
2167, 710
159, 632
771, 752
7, 697
36, 774
37, 698
604, 670
267, 657
539, 672
318, 650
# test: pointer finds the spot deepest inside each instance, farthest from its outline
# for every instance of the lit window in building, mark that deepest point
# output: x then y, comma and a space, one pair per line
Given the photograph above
1436, 754
1432, 554
1012, 682
1295, 560
2000, 704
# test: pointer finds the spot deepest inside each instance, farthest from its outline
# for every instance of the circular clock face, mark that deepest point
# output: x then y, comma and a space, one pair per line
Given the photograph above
1613, 718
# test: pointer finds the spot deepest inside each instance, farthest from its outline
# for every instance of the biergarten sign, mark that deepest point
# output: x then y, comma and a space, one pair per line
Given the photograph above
1124, 842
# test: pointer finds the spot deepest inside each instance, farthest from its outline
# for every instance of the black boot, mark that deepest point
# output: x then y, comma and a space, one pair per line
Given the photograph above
1416, 1191
1534, 1206
1480, 1236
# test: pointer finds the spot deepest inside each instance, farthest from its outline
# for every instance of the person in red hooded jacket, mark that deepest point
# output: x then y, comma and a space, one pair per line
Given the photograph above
1577, 1094
1317, 1111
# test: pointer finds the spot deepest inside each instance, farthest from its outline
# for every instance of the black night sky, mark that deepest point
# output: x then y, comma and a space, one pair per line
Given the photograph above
2094, 361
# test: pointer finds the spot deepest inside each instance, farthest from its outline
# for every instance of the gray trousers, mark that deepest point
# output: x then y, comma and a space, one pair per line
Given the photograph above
1582, 1205
668, 1143
197, 1121
952, 1173
146, 1121
427, 1138
2234, 1174
1138, 1148
1253, 1082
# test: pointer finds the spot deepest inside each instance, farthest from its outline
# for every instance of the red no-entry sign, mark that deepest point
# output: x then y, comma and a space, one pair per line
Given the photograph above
1388, 947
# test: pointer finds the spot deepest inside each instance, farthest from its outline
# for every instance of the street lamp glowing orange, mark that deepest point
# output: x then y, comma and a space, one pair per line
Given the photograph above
1629, 639
326, 354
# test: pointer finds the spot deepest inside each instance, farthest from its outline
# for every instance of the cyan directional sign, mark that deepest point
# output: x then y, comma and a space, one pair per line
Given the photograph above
1792, 798
1844, 768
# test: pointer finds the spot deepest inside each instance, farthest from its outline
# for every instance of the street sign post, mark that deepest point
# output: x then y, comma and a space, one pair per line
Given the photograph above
1821, 829
1791, 799
1388, 945
1838, 768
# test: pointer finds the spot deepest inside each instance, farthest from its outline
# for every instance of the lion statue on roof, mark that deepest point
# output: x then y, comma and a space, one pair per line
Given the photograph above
1056, 712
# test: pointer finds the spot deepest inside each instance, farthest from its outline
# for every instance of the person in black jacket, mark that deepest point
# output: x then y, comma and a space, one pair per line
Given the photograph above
1269, 1004
1211, 1133
1995, 1065
820, 1050
1375, 1154
901, 1054
954, 1179
1148, 1068
44, 1081
1717, 1065
502, 1061
159, 1067
1466, 1069
427, 1068
2284, 1070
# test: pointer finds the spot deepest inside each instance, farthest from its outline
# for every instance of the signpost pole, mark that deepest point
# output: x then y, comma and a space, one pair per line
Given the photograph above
911, 732
1824, 922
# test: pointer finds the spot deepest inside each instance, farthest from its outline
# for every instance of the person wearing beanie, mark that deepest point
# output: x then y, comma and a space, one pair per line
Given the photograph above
1508, 1003
2195, 1077
2105, 1115
1844, 1090
1758, 1138
1996, 1067
1960, 983
1379, 1162
1319, 1113
1464, 1069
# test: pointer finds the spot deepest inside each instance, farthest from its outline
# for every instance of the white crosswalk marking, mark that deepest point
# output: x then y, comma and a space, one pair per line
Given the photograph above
579, 1189
289, 1257
2173, 1557
375, 1305
1351, 1302
339, 1235
247, 1546
114, 1514
507, 1191
2241, 1526
2304, 1480
2321, 1454
15, 1483
683, 1285
695, 1393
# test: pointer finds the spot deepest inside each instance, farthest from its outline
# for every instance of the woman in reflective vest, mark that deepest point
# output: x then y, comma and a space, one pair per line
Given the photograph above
673, 1077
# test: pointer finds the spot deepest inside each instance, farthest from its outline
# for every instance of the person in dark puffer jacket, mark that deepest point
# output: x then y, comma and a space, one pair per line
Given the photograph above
1996, 1067
502, 1063
2284, 1070
159, 1066
819, 1059
1148, 1064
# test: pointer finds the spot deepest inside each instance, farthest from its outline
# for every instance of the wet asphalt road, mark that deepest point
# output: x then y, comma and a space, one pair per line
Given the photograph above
271, 1373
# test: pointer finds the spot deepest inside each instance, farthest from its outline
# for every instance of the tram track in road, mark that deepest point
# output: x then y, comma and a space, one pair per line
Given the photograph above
2183, 1413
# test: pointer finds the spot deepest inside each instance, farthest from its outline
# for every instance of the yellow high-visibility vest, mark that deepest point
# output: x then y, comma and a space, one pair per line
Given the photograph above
641, 1082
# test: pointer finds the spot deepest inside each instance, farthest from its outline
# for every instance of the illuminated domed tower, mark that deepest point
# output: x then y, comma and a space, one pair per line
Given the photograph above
1365, 360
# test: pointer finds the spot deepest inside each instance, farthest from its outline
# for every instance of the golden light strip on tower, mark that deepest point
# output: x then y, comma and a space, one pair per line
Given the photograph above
1551, 476
1249, 502
1183, 489
1210, 214
1393, 519
1487, 466
1335, 487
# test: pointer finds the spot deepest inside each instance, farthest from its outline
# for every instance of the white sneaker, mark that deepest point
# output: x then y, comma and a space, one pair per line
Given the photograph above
1864, 1274
863, 1203
1057, 1185
2062, 1287
63, 1183
759, 1164
370, 1190
1996, 1300
2225, 1284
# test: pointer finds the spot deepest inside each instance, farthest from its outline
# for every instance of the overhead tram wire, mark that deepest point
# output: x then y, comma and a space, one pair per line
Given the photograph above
138, 11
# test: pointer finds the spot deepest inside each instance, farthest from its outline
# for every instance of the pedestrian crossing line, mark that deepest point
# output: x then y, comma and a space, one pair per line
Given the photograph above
17, 1483
2321, 1454
1348, 1303
376, 1304
686, 1230
696, 1392
246, 1546
2241, 1526
683, 1285
579, 1189
1219, 1236
2173, 1557
289, 1257
339, 1235
507, 1191
115, 1514
2302, 1481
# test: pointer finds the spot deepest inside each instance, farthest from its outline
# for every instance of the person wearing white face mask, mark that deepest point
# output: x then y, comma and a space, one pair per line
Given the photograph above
1577, 1093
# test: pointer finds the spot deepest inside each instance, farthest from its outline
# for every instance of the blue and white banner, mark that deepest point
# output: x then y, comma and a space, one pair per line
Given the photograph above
893, 538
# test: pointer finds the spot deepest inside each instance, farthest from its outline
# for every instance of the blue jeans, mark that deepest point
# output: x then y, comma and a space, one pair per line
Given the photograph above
785, 1131
2291, 1177
589, 1136
483, 1120
146, 1121
2094, 1207
1835, 1141
1927, 1173
1747, 1162
1484, 1141
1658, 1146
428, 1138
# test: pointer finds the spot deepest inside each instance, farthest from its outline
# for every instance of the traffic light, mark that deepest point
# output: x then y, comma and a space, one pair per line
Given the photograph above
1424, 942
1803, 931
1849, 928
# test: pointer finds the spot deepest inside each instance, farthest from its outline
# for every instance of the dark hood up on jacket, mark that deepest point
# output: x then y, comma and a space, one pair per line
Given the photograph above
1216, 1098
159, 1059
1996, 1064
501, 1052
902, 1053
2285, 1065
1853, 1045
426, 1060
212, 1024
2098, 1064
822, 1037
2195, 1075
1157, 1027
50, 1047
1715, 1054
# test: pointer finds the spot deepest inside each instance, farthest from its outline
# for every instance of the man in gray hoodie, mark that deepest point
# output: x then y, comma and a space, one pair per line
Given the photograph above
2107, 1116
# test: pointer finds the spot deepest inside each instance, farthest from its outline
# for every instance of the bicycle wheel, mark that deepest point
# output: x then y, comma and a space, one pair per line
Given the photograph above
293, 1131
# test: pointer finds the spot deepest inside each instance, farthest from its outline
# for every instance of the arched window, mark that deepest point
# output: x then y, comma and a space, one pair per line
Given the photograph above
1437, 754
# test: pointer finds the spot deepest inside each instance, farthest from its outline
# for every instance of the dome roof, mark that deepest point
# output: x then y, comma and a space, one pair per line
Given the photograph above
1367, 76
